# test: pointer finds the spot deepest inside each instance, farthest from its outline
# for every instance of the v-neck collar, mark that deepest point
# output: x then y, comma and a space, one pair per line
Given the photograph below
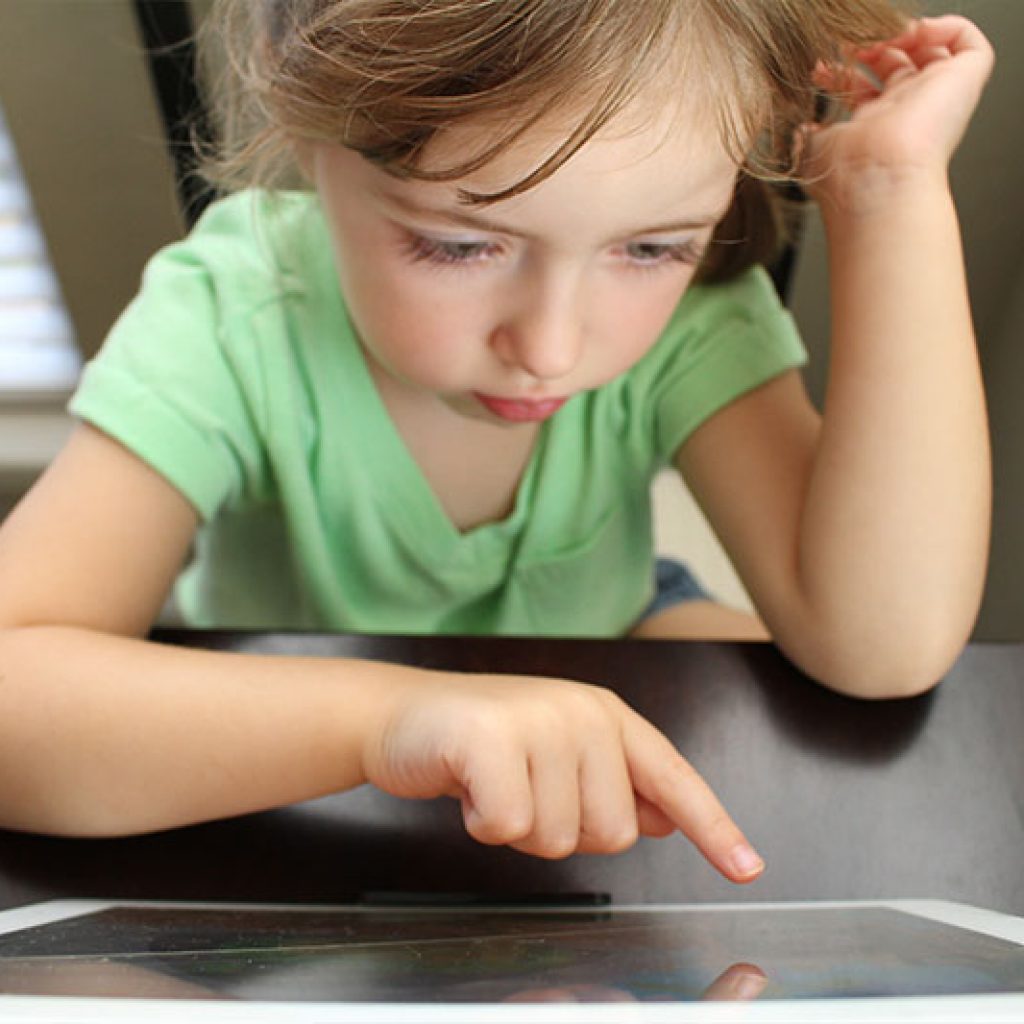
401, 490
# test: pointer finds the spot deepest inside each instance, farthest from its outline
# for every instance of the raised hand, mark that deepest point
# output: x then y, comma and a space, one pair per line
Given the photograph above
549, 767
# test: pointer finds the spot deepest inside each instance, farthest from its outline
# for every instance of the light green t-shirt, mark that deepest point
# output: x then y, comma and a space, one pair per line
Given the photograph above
236, 374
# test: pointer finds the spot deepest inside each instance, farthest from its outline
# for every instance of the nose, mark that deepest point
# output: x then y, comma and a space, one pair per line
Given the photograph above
543, 334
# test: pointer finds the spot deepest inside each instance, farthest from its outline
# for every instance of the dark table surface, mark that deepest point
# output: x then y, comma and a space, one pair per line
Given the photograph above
845, 799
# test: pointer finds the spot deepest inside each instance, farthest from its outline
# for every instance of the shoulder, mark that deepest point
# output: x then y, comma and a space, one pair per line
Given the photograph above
249, 261
740, 317
249, 240
247, 217
722, 340
748, 296
191, 375
215, 306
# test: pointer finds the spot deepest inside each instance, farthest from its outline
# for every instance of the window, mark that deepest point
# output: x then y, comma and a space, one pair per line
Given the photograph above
37, 347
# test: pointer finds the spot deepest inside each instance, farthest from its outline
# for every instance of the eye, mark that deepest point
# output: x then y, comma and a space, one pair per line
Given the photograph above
448, 253
656, 254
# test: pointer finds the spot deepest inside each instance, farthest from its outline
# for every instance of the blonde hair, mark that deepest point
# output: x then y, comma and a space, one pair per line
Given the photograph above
384, 76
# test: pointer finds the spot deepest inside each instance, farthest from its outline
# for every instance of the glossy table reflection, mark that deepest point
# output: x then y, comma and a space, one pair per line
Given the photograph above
845, 799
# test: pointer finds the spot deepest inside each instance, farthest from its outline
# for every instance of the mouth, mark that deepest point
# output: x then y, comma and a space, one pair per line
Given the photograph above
520, 410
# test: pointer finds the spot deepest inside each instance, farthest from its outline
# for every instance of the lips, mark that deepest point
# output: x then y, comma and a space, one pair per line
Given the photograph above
520, 410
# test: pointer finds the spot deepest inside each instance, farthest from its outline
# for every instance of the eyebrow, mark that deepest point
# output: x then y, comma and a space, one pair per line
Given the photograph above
473, 220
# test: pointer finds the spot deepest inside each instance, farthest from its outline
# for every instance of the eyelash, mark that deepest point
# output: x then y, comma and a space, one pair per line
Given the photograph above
465, 254
688, 252
448, 254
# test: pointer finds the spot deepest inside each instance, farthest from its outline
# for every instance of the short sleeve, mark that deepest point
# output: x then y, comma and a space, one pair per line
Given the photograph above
722, 341
169, 386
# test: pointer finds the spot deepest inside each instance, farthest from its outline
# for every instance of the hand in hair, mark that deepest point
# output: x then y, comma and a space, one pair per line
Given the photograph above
910, 99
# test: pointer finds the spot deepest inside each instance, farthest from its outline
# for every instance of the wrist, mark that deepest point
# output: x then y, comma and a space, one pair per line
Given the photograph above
387, 692
876, 190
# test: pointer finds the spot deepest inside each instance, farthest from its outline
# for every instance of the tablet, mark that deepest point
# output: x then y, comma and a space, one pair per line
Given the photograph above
93, 961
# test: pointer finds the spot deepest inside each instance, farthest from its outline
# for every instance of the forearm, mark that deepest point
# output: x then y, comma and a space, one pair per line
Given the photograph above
103, 735
894, 531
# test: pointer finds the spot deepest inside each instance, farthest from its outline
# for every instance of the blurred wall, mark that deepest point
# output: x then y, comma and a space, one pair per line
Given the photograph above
80, 109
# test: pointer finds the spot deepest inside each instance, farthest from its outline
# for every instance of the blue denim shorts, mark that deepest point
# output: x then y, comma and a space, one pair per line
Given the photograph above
673, 584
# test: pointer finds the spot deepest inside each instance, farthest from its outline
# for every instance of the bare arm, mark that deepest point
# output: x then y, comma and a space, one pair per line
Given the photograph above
105, 733
864, 537
101, 732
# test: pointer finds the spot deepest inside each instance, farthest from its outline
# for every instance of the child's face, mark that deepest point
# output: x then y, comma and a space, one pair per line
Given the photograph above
505, 310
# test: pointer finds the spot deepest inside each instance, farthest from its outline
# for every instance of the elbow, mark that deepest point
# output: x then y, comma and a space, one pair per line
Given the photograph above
891, 662
880, 682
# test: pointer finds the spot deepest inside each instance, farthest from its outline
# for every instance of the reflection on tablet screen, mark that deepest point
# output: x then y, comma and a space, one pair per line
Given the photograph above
400, 955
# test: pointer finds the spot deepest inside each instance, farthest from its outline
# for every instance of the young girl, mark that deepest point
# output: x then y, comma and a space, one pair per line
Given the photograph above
427, 390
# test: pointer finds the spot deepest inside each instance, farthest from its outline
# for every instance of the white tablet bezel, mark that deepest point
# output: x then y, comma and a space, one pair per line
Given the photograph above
966, 1009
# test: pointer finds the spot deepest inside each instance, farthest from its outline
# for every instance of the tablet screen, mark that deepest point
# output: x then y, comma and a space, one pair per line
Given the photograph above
495, 956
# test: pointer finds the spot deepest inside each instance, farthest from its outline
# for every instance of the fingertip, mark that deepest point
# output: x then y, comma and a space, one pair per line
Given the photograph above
744, 863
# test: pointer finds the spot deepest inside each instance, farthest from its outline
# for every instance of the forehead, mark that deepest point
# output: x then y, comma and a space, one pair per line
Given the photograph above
645, 161
678, 92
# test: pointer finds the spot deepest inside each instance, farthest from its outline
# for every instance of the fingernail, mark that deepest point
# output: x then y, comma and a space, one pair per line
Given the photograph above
745, 861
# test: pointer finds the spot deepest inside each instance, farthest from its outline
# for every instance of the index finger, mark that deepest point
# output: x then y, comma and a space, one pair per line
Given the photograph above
664, 777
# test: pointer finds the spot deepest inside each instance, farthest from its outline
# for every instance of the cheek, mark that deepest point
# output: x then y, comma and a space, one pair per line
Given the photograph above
634, 315
408, 322
393, 305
